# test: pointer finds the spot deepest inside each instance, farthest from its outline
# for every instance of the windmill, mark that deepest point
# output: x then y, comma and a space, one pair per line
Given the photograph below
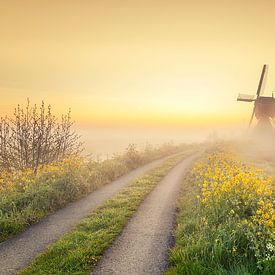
264, 106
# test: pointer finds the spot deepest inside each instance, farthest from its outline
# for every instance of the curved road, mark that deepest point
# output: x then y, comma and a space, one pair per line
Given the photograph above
144, 244
19, 251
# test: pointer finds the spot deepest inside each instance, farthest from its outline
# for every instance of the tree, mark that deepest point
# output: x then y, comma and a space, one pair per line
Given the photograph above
34, 137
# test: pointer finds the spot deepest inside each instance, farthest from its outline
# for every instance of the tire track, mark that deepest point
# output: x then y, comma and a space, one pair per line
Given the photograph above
143, 246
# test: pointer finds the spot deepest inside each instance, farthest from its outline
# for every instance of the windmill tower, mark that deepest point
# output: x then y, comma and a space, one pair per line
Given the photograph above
264, 107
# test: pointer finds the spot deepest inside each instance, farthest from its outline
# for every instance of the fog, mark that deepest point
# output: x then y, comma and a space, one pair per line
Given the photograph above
105, 141
257, 144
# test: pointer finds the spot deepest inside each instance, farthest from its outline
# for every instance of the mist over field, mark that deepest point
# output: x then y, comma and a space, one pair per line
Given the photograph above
105, 141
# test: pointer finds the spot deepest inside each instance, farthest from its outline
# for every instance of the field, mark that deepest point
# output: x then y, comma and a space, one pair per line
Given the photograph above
225, 222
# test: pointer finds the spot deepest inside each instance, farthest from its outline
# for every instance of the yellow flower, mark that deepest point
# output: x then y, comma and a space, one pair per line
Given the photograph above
232, 212
270, 223
259, 211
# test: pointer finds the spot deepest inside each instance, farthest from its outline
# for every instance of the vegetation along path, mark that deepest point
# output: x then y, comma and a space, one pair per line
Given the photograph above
19, 251
143, 246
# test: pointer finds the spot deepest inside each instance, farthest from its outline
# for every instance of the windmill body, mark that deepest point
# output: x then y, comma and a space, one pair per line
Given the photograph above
265, 107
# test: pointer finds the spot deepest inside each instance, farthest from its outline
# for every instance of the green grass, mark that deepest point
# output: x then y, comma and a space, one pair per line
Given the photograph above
78, 251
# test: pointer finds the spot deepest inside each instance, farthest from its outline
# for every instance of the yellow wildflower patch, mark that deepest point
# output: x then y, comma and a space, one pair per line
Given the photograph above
22, 180
244, 193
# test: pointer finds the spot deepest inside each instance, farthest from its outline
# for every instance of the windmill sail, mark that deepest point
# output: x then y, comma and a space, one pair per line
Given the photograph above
246, 98
260, 86
261, 82
252, 116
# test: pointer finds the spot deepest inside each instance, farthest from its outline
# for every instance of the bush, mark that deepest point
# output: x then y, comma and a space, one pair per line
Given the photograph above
34, 137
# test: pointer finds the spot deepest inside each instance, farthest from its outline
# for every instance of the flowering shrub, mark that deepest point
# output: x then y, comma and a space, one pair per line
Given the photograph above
21, 180
241, 196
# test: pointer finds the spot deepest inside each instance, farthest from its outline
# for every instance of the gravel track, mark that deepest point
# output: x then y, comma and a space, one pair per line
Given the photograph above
20, 250
144, 244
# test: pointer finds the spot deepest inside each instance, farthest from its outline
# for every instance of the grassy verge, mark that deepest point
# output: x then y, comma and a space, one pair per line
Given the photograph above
26, 197
225, 223
78, 251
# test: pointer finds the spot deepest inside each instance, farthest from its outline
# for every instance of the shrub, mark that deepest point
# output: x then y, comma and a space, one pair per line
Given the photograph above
34, 137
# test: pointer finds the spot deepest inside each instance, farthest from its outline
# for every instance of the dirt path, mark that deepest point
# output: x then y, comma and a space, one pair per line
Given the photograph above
19, 251
143, 246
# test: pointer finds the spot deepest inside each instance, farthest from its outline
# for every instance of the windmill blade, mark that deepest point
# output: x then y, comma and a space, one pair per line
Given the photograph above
264, 79
260, 85
252, 116
246, 98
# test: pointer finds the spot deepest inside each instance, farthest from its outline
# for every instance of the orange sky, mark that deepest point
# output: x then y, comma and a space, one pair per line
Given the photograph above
136, 62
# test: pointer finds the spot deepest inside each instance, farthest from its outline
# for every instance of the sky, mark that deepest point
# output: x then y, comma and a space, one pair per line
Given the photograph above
137, 63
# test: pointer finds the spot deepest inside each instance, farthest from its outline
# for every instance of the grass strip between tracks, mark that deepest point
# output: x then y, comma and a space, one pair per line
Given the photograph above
78, 251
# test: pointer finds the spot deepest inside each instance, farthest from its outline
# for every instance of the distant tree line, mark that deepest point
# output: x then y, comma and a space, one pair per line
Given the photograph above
34, 137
